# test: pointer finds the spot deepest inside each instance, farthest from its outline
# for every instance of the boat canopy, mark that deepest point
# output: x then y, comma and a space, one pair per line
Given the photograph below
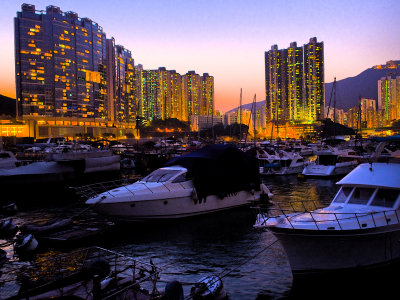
220, 170
374, 175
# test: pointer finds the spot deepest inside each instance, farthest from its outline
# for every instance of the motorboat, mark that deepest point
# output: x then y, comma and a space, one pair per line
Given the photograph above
212, 179
7, 160
303, 150
86, 273
87, 160
332, 162
284, 163
359, 229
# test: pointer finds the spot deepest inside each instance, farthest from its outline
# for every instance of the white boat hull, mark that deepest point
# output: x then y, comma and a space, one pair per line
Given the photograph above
180, 206
324, 251
314, 170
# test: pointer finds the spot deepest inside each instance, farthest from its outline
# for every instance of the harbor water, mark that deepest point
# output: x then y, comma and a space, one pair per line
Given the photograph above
251, 263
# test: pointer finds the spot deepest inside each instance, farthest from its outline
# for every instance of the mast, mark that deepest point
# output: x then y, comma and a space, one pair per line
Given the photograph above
360, 125
334, 107
254, 119
240, 117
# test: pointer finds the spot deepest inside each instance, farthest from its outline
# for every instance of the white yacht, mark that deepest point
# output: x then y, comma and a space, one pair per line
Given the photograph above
284, 163
332, 162
7, 160
197, 183
303, 150
360, 228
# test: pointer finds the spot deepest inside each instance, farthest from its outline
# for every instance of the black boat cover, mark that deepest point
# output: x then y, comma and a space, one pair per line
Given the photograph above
220, 170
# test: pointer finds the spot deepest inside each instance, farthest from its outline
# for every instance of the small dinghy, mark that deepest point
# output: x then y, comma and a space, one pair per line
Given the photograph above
209, 287
8, 228
25, 244
50, 226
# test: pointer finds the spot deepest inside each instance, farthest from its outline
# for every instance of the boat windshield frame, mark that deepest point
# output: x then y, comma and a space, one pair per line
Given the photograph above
163, 175
350, 195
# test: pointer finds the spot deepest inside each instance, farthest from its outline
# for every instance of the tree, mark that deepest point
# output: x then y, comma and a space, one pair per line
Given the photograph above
396, 126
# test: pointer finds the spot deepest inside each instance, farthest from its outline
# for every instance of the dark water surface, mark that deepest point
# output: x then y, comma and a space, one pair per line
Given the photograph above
250, 261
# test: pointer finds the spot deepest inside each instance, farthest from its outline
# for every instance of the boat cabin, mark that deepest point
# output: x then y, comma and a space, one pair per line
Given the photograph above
374, 185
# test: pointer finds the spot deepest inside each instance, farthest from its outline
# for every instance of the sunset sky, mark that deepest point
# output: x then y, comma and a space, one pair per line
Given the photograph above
228, 38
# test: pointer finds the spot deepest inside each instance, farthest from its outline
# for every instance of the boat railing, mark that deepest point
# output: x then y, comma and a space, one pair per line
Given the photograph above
292, 211
95, 189
55, 275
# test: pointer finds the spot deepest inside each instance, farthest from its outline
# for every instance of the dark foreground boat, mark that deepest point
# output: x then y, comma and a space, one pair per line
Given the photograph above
92, 273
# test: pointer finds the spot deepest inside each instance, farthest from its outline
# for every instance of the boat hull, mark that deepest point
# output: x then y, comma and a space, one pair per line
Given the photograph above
171, 208
321, 251
328, 171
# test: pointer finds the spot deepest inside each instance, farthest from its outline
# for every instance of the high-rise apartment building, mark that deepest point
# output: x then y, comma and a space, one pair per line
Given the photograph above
60, 64
150, 85
368, 112
170, 93
191, 94
124, 72
177, 108
314, 92
138, 89
275, 83
389, 97
294, 83
207, 95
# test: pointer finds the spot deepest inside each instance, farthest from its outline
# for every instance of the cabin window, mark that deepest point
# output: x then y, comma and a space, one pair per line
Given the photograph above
361, 196
4, 155
385, 198
180, 178
160, 175
343, 194
327, 160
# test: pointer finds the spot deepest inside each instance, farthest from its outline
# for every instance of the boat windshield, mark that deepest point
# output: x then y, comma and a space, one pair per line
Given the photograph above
161, 175
361, 195
327, 160
385, 198
344, 192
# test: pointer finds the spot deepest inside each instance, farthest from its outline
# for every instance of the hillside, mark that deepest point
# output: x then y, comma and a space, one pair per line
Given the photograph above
349, 90
7, 106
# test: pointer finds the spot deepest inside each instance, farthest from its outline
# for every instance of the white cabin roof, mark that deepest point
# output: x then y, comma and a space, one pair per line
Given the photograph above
375, 175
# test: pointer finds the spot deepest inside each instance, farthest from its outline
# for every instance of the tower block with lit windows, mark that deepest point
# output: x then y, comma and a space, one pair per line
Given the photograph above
294, 83
60, 64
